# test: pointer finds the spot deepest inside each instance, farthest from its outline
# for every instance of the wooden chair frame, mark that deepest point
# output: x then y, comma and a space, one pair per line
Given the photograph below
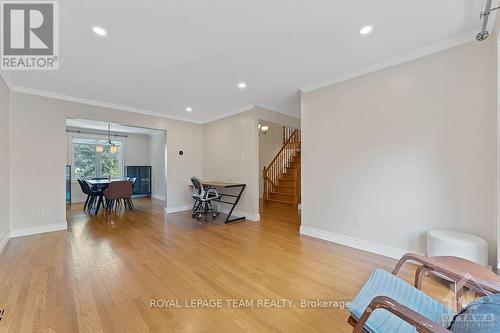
421, 323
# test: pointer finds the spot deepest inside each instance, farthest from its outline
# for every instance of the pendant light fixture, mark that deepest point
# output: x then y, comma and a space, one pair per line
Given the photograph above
113, 149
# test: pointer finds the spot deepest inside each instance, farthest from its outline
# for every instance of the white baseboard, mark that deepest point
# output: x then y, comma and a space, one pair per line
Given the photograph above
158, 197
38, 229
169, 210
360, 244
4, 241
248, 216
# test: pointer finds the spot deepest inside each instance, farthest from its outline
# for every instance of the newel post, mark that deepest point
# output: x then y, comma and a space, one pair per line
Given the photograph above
264, 196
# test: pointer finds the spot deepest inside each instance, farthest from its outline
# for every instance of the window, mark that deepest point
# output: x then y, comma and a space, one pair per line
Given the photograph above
87, 163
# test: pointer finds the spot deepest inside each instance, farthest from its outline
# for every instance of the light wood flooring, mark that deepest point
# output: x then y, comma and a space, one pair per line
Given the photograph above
101, 274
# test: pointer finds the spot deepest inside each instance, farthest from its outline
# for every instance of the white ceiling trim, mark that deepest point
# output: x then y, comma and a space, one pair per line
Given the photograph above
434, 48
229, 114
245, 109
87, 101
43, 93
443, 45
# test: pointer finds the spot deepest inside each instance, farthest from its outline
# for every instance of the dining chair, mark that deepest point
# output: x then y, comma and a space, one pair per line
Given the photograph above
92, 194
118, 192
133, 180
85, 191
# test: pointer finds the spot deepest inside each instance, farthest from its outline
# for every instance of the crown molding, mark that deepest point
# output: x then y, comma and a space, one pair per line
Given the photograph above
275, 111
245, 109
68, 98
428, 50
232, 113
434, 48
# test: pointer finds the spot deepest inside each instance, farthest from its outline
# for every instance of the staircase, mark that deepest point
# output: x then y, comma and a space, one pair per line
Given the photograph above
282, 176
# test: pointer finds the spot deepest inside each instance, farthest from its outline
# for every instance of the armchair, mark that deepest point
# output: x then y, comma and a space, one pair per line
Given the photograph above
387, 304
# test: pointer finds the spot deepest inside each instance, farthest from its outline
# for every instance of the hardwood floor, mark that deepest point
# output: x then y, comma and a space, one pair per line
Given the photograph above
101, 274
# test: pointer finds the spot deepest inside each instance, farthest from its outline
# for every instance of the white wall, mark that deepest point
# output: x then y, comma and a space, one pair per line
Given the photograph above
4, 165
231, 155
231, 152
157, 155
269, 145
38, 156
276, 117
137, 150
406, 149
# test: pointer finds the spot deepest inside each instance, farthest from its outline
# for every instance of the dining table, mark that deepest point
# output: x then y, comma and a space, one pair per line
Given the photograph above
100, 185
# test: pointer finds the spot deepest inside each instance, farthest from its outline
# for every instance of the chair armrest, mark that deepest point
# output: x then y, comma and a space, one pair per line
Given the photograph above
411, 257
211, 191
421, 323
466, 279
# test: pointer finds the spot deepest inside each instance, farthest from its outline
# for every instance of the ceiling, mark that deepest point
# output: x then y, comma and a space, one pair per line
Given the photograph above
102, 126
162, 56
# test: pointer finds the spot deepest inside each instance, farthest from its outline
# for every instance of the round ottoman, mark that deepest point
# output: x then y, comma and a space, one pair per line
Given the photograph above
457, 244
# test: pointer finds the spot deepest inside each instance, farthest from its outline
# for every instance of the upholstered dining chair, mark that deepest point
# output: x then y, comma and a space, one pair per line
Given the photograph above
118, 192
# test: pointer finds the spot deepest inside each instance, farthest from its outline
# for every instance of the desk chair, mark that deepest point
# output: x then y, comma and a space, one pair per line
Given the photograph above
203, 199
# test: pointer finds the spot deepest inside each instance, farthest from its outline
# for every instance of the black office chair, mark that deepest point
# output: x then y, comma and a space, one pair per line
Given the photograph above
203, 199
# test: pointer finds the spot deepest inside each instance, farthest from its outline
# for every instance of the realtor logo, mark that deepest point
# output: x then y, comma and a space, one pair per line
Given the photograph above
30, 35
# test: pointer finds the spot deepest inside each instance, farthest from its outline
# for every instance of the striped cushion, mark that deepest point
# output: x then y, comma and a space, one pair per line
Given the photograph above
382, 283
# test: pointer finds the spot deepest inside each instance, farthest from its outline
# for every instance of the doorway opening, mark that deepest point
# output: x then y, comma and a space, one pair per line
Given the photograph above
279, 176
108, 152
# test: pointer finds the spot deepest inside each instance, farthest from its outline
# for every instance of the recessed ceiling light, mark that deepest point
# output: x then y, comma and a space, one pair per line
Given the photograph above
366, 30
242, 85
99, 31
189, 109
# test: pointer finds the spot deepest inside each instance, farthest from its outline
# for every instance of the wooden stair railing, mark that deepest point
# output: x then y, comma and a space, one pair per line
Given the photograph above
281, 166
287, 133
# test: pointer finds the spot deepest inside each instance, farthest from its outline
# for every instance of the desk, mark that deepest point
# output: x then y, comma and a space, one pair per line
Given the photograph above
237, 197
